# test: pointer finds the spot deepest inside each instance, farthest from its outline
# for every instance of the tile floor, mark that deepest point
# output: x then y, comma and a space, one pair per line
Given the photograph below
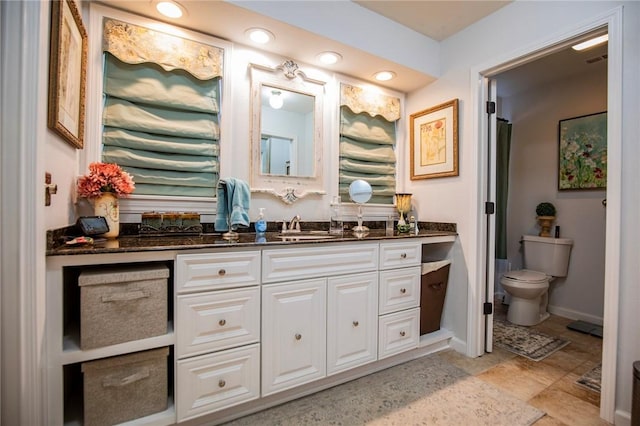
548, 384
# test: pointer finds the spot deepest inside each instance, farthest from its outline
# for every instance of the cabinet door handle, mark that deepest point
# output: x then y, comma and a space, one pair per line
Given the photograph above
222, 272
356, 323
222, 383
403, 255
222, 322
402, 333
403, 290
298, 336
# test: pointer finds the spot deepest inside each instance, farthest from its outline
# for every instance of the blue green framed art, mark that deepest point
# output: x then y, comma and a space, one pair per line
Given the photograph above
582, 155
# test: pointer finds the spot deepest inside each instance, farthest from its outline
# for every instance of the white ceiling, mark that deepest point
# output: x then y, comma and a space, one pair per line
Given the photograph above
436, 20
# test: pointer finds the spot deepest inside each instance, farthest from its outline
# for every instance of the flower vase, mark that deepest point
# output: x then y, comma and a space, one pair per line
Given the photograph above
106, 205
545, 223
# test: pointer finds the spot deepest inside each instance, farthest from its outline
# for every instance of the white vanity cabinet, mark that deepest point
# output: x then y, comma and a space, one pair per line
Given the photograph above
293, 334
399, 303
352, 321
318, 312
217, 331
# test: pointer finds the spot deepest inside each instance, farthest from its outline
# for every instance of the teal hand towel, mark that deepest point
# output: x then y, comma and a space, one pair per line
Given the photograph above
234, 198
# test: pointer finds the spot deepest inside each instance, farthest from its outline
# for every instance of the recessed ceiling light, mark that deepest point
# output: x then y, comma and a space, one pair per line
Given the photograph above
260, 35
384, 75
590, 43
170, 9
329, 58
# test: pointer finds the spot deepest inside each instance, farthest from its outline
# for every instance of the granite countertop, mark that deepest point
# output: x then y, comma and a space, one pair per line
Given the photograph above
137, 243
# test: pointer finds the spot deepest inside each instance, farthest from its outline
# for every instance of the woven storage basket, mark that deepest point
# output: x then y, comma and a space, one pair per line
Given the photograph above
122, 304
125, 387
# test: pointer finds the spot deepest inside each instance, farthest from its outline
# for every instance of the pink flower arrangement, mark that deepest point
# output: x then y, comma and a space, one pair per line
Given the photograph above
105, 177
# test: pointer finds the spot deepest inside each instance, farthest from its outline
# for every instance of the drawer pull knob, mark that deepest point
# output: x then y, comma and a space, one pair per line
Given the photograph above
403, 255
222, 272
298, 336
402, 333
222, 383
356, 323
222, 322
403, 290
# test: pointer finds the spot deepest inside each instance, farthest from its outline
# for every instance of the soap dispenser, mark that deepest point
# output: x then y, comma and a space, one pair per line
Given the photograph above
261, 223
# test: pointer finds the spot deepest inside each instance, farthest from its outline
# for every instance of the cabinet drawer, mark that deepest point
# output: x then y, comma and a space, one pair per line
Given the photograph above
291, 264
212, 382
198, 272
217, 320
399, 332
399, 289
396, 255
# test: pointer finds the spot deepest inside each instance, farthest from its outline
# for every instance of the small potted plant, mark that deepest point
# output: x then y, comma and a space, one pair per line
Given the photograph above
546, 214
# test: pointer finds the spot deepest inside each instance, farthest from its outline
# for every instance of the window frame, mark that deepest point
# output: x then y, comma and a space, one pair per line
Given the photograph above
134, 205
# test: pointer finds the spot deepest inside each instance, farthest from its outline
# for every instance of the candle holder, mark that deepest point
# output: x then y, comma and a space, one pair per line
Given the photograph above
403, 205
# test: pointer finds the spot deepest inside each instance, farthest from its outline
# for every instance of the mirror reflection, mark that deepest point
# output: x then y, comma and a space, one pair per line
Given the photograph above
286, 132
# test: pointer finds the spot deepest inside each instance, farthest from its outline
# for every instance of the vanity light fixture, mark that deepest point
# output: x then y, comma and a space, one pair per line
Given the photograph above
329, 58
276, 100
384, 75
260, 35
591, 42
170, 9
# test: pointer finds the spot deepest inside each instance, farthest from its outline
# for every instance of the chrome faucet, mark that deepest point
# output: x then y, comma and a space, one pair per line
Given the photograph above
294, 225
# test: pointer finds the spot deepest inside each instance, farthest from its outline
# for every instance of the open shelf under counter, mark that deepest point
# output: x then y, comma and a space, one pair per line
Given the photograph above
162, 418
73, 354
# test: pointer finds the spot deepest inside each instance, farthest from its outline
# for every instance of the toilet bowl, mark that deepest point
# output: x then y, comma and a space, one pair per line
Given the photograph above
544, 260
529, 296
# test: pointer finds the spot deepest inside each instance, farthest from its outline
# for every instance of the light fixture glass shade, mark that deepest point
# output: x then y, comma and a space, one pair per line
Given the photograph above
276, 100
169, 9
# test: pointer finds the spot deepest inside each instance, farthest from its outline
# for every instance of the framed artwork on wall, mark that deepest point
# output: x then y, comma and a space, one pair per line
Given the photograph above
67, 72
582, 152
434, 142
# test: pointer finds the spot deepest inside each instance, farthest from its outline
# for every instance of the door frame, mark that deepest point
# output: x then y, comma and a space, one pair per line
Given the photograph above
612, 20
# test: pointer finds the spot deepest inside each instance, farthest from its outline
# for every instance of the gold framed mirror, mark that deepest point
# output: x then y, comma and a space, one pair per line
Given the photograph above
286, 132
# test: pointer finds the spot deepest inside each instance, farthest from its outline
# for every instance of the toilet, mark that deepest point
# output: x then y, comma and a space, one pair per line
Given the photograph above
545, 259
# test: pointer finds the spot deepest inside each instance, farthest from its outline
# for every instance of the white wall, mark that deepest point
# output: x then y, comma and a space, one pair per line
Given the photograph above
533, 179
504, 35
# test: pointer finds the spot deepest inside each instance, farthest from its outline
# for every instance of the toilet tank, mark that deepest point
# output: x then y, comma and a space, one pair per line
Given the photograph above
548, 255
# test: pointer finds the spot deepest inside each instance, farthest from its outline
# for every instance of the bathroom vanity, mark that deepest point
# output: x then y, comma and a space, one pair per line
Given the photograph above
250, 323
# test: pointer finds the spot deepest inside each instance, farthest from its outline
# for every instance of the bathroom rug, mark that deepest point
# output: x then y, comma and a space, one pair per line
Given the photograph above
525, 341
425, 391
592, 378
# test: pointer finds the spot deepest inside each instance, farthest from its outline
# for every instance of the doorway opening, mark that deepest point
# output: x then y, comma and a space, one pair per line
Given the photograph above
483, 323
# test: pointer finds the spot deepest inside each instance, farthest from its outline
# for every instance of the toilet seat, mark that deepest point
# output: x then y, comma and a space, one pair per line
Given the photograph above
526, 276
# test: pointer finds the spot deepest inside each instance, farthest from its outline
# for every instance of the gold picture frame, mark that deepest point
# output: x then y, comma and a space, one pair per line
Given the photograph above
67, 72
434, 142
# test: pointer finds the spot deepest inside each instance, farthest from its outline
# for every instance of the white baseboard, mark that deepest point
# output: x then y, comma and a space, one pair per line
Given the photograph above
575, 315
622, 418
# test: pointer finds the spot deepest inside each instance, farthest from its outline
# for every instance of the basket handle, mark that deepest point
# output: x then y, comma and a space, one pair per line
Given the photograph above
125, 296
115, 381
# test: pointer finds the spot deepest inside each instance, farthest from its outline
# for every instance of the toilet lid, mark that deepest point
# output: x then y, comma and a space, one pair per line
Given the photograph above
526, 275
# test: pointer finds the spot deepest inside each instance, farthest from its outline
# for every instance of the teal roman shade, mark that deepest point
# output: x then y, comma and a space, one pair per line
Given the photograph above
367, 142
161, 110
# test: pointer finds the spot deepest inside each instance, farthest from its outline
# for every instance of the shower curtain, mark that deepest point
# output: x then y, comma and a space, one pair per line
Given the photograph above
503, 146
